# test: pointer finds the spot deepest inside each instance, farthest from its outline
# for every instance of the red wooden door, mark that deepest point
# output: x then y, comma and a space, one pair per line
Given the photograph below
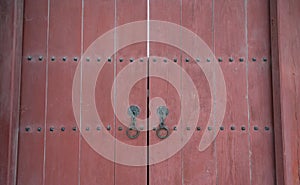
206, 63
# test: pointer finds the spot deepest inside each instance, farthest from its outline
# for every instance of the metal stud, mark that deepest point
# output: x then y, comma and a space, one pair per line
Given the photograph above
232, 127
141, 60
75, 59
64, 59
121, 59
174, 128
254, 59
131, 59
221, 128
108, 127
230, 59
120, 128
198, 128
62, 129
165, 60
197, 59
208, 60
27, 129
98, 128
87, 59
141, 128
256, 128
87, 128
267, 128
220, 59
265, 59
241, 59
29, 58
52, 58
187, 60
209, 128
243, 128
74, 128
154, 128
109, 60
154, 60
39, 129
175, 59
51, 129
40, 58
188, 128
98, 59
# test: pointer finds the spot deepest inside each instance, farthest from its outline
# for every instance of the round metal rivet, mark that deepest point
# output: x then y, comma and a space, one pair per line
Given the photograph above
98, 128
39, 129
154, 60
120, 128
197, 59
255, 127
187, 60
232, 128
265, 59
121, 59
220, 59
141, 128
154, 129
141, 60
267, 128
75, 59
230, 59
165, 60
87, 59
175, 128
29, 58
98, 59
241, 60
64, 59
40, 58
74, 128
52, 58
131, 59
208, 60
243, 128
87, 128
62, 129
254, 59
27, 129
108, 127
198, 128
209, 128
51, 129
188, 128
221, 128
109, 60
175, 59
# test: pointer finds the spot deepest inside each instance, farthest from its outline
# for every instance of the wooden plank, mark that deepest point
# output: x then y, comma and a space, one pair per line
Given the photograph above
10, 74
94, 168
288, 13
230, 41
161, 92
259, 92
32, 105
62, 147
198, 166
128, 11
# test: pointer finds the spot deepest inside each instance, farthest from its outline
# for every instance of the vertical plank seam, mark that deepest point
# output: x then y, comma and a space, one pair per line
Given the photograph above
247, 91
115, 89
46, 92
181, 151
80, 105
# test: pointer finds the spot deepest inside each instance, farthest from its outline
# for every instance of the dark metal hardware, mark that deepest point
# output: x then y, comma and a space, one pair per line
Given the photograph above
187, 60
254, 59
64, 59
74, 128
197, 59
232, 127
39, 129
175, 59
62, 129
108, 127
51, 129
221, 128
109, 60
241, 59
255, 127
243, 128
75, 59
40, 58
98, 128
29, 58
121, 59
208, 60
131, 59
53, 58
220, 59
132, 131
198, 128
27, 129
162, 112
98, 59
230, 59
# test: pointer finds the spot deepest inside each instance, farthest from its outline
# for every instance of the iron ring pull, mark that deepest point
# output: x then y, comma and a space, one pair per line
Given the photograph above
162, 112
133, 111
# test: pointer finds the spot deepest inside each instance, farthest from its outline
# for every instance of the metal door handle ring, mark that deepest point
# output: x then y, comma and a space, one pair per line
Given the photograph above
132, 136
158, 132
